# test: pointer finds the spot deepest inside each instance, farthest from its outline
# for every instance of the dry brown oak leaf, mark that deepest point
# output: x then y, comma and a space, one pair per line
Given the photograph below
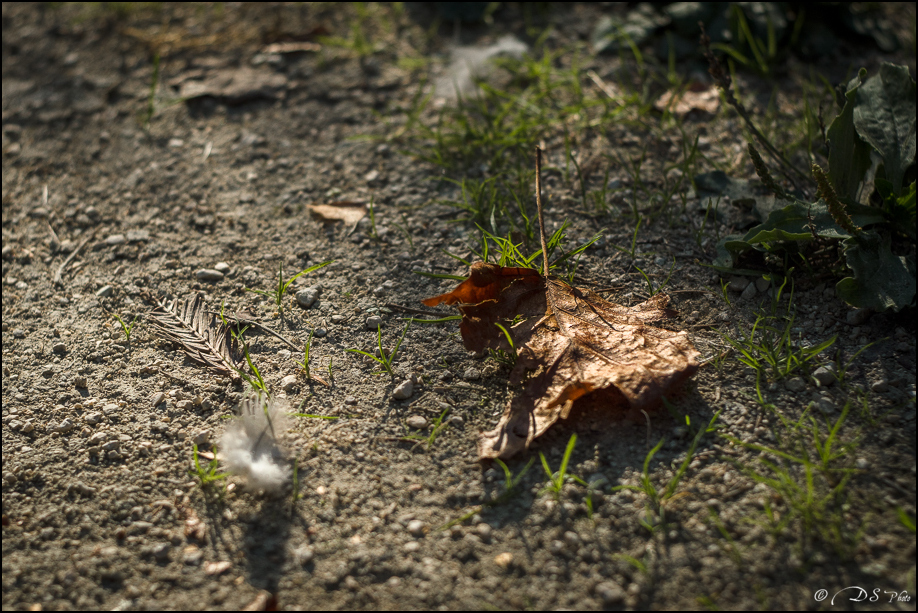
570, 342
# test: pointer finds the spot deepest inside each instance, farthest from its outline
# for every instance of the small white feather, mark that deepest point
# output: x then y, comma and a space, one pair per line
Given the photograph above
249, 447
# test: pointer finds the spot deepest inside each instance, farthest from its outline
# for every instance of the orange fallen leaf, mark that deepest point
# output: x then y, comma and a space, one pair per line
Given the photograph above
344, 210
570, 342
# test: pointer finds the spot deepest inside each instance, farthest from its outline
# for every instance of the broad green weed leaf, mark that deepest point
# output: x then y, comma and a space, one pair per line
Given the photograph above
881, 279
884, 115
849, 155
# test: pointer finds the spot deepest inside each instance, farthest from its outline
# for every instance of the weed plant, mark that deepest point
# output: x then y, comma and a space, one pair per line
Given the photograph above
385, 359
126, 328
278, 293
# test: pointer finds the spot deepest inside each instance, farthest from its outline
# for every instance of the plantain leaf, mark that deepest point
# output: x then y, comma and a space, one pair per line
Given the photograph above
849, 155
884, 116
881, 279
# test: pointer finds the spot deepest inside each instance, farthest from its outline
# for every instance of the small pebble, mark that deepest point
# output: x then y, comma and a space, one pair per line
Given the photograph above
862, 463
471, 374
350, 400
610, 593
748, 293
373, 322
415, 528
65, 426
209, 275
307, 297
184, 405
202, 438
288, 383
115, 239
404, 390
857, 317
761, 284
418, 422
303, 555
223, 268
319, 332
411, 546
338, 319
93, 418
795, 384
738, 284
879, 386
826, 405
106, 291
59, 348
456, 421
825, 376
79, 382
484, 531
158, 399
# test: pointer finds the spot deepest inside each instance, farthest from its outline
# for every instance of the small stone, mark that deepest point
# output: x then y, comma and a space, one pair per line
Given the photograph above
18, 333
338, 319
59, 348
762, 284
209, 275
184, 405
319, 332
862, 463
138, 236
415, 528
373, 322
826, 406
371, 176
64, 426
471, 374
610, 593
106, 291
193, 556
379, 291
288, 383
79, 382
223, 268
404, 390
350, 401
304, 555
158, 399
824, 375
307, 297
503, 559
115, 239
418, 422
879, 386
738, 284
217, 568
161, 551
484, 531
93, 418
411, 546
202, 438
456, 421
857, 317
796, 384
748, 293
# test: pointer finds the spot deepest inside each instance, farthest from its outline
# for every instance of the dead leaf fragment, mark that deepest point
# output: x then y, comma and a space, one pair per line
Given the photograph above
569, 342
696, 98
347, 211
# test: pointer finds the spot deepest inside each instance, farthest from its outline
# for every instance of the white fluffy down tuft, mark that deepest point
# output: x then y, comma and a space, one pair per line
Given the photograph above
249, 447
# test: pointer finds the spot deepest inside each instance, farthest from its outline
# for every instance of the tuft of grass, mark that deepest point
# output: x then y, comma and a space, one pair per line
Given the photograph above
278, 293
511, 487
659, 498
305, 363
808, 472
438, 427
207, 475
386, 359
557, 479
127, 328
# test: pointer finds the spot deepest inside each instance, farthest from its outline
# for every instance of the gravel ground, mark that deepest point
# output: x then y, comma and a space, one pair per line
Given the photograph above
209, 196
